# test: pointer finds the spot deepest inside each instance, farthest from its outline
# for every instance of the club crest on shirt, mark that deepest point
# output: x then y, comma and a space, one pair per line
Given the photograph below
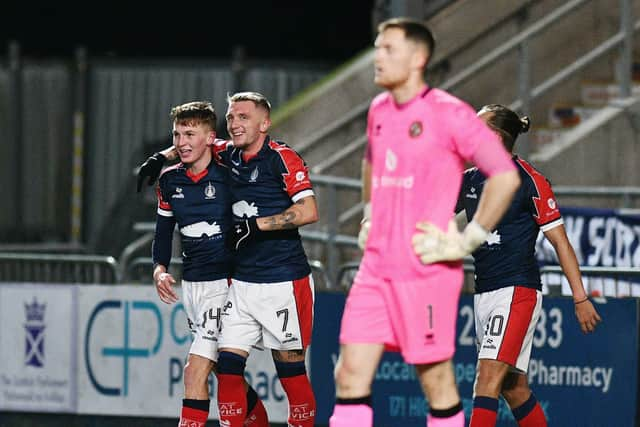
415, 130
210, 192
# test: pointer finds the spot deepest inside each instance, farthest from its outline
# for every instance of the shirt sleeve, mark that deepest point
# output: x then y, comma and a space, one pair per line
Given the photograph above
543, 204
475, 142
164, 208
161, 246
294, 173
367, 150
220, 150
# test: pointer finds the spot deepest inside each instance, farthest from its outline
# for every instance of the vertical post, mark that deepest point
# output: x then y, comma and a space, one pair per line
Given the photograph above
524, 92
626, 51
77, 169
15, 129
332, 231
239, 68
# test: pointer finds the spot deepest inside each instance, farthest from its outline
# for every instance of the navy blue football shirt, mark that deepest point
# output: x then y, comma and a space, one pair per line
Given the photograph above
264, 185
201, 206
507, 257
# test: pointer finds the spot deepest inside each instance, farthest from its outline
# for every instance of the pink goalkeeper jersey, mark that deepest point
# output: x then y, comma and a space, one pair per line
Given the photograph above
417, 152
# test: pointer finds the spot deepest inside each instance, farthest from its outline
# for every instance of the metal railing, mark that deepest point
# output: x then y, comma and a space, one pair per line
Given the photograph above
58, 268
139, 270
526, 93
598, 281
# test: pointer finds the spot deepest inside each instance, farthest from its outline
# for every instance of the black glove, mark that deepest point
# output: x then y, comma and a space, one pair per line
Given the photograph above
241, 233
151, 168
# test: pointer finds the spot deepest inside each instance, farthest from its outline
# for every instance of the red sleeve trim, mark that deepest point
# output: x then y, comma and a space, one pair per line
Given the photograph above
296, 175
544, 201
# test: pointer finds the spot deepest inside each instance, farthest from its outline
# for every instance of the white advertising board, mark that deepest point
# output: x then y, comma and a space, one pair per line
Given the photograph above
37, 348
131, 349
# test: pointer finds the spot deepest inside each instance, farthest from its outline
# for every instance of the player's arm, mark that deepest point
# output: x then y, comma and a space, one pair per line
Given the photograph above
586, 313
365, 224
161, 251
496, 197
304, 211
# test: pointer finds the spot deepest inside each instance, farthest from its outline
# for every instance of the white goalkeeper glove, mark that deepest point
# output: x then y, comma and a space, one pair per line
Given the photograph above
365, 226
433, 245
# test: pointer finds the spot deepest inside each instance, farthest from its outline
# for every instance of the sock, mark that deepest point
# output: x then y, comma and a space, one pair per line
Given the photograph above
352, 412
256, 412
450, 417
194, 413
232, 399
302, 402
530, 413
485, 412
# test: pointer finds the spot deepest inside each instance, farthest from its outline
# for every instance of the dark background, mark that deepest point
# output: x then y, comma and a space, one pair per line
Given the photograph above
331, 31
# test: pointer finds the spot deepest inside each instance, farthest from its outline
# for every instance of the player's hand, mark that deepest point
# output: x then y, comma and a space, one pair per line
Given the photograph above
363, 235
164, 286
242, 233
587, 316
433, 245
150, 169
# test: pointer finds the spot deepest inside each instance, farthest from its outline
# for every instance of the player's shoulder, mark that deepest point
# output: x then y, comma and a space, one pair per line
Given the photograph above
530, 173
281, 147
220, 145
380, 101
445, 100
171, 171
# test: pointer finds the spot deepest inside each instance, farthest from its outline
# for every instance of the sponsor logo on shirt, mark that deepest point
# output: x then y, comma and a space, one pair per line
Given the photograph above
299, 176
390, 160
472, 194
386, 181
178, 194
200, 229
243, 209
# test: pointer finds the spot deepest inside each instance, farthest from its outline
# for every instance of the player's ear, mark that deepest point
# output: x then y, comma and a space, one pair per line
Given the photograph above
265, 125
211, 138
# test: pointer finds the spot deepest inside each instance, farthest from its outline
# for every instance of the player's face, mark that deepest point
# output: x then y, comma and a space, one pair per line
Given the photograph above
192, 140
393, 58
247, 123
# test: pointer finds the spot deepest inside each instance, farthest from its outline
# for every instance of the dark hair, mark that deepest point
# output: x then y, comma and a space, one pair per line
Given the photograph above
506, 122
197, 111
414, 30
257, 98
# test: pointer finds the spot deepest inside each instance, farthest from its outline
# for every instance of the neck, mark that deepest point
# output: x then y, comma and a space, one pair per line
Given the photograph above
407, 91
254, 147
200, 164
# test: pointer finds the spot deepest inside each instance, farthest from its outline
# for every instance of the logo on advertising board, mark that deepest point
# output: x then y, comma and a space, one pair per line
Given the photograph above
131, 313
34, 339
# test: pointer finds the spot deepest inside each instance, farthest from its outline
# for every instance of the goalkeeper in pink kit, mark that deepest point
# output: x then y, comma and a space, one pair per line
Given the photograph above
405, 295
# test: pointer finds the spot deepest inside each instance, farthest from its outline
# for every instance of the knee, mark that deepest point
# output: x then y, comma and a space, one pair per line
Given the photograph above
194, 377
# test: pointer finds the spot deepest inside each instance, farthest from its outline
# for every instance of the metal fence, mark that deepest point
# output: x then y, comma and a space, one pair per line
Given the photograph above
58, 268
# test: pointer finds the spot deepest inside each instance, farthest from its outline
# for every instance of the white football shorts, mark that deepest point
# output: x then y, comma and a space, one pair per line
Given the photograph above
203, 303
278, 315
505, 323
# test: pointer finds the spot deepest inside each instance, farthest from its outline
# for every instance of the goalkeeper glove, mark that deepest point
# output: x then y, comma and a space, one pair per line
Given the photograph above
433, 245
150, 169
241, 233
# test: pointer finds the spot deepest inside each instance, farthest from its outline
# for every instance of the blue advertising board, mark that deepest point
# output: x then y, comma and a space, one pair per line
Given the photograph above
597, 373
